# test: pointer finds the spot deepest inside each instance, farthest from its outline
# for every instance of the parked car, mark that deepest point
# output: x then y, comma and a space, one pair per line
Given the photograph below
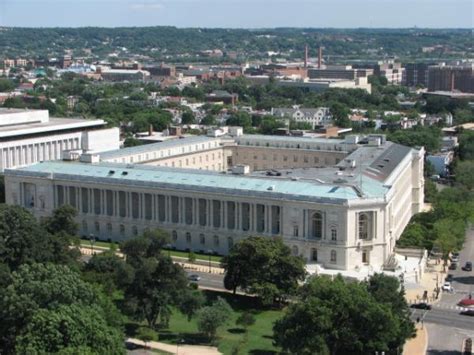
447, 287
421, 305
453, 266
194, 277
456, 254
467, 266
468, 312
449, 278
455, 258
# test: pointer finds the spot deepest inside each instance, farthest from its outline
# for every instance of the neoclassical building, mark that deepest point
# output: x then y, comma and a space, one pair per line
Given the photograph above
338, 203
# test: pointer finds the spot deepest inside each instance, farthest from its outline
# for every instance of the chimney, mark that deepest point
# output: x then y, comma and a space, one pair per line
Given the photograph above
306, 56
320, 56
150, 130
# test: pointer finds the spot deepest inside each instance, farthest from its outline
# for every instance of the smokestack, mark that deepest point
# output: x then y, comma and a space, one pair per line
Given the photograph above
452, 81
150, 130
320, 56
306, 56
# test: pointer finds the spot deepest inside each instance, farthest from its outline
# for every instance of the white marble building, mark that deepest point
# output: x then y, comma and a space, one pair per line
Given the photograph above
343, 216
31, 136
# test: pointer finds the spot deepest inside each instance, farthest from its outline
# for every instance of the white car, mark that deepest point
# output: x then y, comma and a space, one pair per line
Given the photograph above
447, 287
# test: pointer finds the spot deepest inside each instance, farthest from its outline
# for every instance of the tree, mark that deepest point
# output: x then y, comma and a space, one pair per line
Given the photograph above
209, 120
187, 117
279, 271
24, 241
6, 85
240, 118
336, 317
340, 114
47, 308
449, 236
210, 318
465, 173
157, 284
62, 220
245, 320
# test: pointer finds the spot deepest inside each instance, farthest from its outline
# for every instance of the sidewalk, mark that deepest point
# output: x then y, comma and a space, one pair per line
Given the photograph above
417, 345
179, 350
433, 277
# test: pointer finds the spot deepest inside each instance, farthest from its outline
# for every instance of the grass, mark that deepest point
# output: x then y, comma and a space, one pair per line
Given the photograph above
257, 341
182, 254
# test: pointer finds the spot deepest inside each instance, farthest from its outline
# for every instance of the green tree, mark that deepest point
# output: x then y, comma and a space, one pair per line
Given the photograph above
6, 85
240, 118
465, 173
210, 318
336, 317
245, 320
62, 220
188, 117
279, 271
158, 284
340, 114
24, 241
209, 120
48, 307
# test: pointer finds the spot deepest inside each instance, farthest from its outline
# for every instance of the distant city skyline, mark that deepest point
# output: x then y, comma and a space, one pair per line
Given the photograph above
238, 13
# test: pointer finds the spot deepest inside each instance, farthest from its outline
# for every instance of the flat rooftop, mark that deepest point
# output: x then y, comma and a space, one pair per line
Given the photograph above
200, 181
54, 124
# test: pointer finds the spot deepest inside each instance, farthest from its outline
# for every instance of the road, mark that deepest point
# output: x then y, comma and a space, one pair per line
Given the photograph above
447, 328
209, 280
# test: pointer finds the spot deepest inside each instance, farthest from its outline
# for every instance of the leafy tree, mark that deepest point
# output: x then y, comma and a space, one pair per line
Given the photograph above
62, 220
465, 173
387, 290
24, 241
158, 284
48, 307
6, 85
240, 119
466, 145
2, 189
279, 271
340, 114
209, 120
210, 318
245, 320
187, 117
337, 317
449, 236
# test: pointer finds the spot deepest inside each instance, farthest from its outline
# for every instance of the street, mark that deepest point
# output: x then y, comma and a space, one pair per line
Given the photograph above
209, 280
448, 328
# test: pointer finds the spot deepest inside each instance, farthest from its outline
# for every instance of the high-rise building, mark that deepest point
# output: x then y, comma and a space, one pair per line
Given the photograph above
458, 77
416, 74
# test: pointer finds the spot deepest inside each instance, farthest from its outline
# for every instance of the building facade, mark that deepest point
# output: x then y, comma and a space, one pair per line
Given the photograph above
451, 78
320, 116
347, 212
31, 136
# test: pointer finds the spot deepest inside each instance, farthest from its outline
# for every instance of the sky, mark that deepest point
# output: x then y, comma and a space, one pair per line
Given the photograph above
238, 13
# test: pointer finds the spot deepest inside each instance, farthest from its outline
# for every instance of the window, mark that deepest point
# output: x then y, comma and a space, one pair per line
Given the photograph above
365, 257
174, 236
97, 227
294, 250
109, 228
188, 237
295, 231
333, 256
134, 230
363, 226
317, 231
314, 254
216, 240
230, 243
202, 239
122, 229
84, 226
333, 234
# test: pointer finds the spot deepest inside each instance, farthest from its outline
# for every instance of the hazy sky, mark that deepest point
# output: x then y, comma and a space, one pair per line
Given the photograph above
238, 13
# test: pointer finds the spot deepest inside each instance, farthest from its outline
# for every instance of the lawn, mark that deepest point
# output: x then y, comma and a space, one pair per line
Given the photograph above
183, 254
257, 341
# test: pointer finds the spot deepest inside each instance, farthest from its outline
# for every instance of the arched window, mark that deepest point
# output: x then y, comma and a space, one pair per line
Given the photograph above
134, 230
294, 250
216, 240
174, 236
202, 239
84, 226
97, 227
363, 226
317, 220
333, 233
314, 254
109, 227
122, 229
188, 237
230, 243
333, 256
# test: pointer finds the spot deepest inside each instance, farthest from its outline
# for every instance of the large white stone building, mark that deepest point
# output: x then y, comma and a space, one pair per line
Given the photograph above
31, 136
339, 203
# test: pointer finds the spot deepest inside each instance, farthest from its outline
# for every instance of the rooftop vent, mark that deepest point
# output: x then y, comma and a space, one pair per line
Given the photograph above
124, 172
111, 172
271, 188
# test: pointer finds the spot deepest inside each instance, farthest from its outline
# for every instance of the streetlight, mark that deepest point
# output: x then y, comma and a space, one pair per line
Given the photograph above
210, 253
168, 246
92, 241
